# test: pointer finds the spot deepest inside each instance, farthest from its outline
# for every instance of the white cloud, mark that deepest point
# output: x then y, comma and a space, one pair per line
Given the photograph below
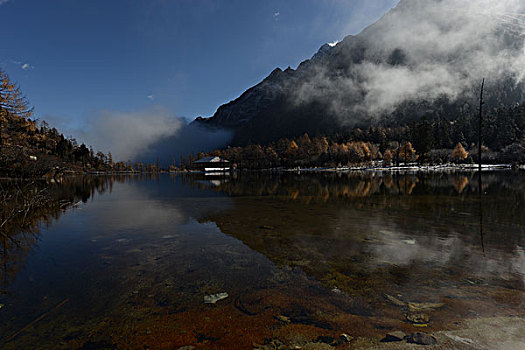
151, 97
22, 65
441, 49
276, 15
3, 1
128, 134
332, 44
147, 135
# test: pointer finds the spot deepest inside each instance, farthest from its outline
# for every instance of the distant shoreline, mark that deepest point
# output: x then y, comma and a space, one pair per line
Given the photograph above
413, 168
373, 168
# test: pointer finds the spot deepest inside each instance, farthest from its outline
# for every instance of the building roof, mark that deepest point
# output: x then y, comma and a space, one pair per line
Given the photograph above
211, 160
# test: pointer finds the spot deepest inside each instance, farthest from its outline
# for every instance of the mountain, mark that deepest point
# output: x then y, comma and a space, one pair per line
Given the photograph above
424, 58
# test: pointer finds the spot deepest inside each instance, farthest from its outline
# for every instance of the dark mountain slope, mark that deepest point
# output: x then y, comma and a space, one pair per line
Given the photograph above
424, 58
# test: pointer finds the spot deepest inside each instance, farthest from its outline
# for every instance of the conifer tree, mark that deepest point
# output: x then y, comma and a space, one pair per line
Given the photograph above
12, 102
459, 153
407, 152
387, 157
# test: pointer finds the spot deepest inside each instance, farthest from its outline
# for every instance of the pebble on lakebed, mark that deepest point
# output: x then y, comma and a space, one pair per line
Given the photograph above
418, 318
421, 339
346, 338
213, 298
413, 306
394, 336
283, 319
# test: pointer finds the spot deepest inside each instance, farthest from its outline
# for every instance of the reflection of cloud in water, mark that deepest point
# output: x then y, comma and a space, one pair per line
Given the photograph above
503, 264
398, 248
392, 246
518, 263
137, 209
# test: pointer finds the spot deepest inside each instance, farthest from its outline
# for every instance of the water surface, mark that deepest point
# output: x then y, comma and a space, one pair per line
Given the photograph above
303, 258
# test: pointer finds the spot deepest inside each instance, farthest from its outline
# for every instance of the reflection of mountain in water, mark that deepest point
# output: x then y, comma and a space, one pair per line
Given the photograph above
365, 233
25, 205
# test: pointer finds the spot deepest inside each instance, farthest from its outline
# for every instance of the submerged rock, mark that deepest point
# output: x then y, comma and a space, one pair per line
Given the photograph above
395, 300
271, 344
418, 318
213, 298
421, 339
345, 338
283, 319
460, 339
413, 306
337, 290
394, 336
424, 306
317, 346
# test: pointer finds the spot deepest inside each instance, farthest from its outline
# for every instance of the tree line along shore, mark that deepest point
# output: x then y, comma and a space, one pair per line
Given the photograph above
31, 148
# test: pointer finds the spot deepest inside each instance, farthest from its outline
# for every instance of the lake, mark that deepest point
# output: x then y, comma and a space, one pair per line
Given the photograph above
267, 261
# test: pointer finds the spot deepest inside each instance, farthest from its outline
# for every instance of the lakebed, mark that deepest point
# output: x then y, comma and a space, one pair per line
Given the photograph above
335, 260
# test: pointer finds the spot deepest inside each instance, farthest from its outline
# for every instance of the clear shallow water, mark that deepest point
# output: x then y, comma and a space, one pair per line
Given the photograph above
300, 256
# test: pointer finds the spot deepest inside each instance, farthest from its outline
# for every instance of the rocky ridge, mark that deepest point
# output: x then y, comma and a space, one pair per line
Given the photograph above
422, 58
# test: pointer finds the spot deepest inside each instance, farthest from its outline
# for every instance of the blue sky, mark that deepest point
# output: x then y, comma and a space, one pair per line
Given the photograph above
75, 58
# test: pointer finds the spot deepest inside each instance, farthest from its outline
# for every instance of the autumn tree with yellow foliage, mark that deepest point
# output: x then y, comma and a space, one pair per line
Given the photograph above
459, 153
12, 102
27, 150
407, 153
387, 157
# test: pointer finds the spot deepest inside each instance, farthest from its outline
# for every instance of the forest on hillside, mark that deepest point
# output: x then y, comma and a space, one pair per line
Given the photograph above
29, 148
428, 141
32, 148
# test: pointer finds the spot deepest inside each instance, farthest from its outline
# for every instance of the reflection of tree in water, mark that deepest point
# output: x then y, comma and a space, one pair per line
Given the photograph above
459, 183
338, 225
327, 186
25, 205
